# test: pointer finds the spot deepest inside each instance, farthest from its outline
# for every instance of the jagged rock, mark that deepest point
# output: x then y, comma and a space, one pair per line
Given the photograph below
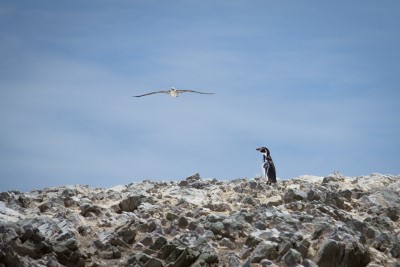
395, 250
313, 194
393, 213
217, 228
382, 242
264, 250
294, 195
308, 263
284, 247
233, 260
347, 194
171, 216
333, 178
183, 183
71, 244
334, 199
131, 203
227, 243
303, 248
382, 223
183, 222
267, 263
89, 210
220, 207
127, 235
206, 259
357, 193
147, 241
292, 257
249, 200
136, 259
159, 243
274, 201
330, 254
334, 253
194, 178
252, 241
109, 252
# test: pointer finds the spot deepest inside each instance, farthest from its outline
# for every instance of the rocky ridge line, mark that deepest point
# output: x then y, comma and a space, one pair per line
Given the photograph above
307, 221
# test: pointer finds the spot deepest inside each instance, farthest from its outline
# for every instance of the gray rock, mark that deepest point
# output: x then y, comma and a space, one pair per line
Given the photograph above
219, 207
177, 256
294, 195
252, 241
313, 194
383, 242
183, 222
233, 260
128, 235
292, 257
136, 259
274, 201
183, 183
395, 250
267, 263
334, 199
171, 216
309, 263
131, 203
284, 247
303, 248
109, 252
340, 254
147, 241
166, 251
159, 243
264, 250
194, 178
71, 244
227, 243
206, 259
217, 228
347, 194
90, 210
393, 213
153, 262
356, 255
334, 178
357, 193
330, 254
249, 200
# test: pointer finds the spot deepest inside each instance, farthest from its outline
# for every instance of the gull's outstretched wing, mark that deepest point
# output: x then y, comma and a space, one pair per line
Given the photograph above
152, 93
191, 91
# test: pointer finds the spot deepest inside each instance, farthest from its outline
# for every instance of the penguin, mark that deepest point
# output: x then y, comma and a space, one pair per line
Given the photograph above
173, 92
268, 165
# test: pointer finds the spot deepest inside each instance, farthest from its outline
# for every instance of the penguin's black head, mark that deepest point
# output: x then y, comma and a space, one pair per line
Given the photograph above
263, 149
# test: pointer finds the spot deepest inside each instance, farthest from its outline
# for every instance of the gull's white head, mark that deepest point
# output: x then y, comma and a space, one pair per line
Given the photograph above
173, 92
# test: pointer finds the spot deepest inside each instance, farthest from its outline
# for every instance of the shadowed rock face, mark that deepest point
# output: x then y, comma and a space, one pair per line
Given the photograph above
306, 221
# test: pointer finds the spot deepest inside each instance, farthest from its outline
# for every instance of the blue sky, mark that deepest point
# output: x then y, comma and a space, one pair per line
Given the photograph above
317, 82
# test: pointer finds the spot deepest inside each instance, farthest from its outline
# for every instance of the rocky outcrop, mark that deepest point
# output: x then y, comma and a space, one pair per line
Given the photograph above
306, 221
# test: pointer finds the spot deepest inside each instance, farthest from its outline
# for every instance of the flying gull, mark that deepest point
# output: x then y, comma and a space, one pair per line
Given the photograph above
173, 92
